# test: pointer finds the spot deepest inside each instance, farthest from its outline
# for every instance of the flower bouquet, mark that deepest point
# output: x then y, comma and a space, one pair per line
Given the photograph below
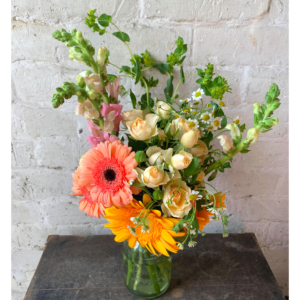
151, 184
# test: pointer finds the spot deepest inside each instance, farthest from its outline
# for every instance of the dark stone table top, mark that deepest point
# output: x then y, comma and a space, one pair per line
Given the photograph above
90, 267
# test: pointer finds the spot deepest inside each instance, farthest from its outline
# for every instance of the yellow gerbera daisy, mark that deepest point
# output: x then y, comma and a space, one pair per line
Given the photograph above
158, 234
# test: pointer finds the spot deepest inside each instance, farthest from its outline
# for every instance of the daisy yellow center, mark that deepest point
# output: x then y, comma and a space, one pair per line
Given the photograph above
193, 197
221, 103
197, 94
206, 117
192, 124
186, 110
237, 121
209, 127
186, 100
209, 105
217, 123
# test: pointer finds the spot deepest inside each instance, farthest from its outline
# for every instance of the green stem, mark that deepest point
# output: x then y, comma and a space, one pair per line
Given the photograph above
217, 164
152, 276
139, 272
129, 272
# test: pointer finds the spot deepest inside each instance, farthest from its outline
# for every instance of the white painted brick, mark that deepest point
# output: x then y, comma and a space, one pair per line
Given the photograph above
23, 153
241, 46
56, 11
57, 152
38, 184
204, 10
25, 236
35, 82
26, 212
41, 122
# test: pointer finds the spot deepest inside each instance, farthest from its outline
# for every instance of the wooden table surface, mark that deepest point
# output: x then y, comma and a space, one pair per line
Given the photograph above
90, 267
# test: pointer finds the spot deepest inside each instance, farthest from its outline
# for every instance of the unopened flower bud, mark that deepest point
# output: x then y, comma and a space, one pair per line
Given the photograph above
170, 129
91, 114
234, 130
252, 135
164, 110
79, 109
275, 104
80, 80
101, 56
256, 108
140, 156
157, 195
79, 36
189, 139
272, 121
226, 143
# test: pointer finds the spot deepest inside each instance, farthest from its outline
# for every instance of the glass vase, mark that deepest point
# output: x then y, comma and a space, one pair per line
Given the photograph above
146, 275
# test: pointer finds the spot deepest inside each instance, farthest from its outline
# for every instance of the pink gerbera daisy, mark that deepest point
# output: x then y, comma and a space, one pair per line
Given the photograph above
104, 174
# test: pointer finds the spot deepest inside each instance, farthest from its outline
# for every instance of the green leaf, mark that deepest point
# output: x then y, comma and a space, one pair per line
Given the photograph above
245, 151
213, 175
104, 20
169, 89
164, 68
136, 145
133, 99
126, 69
96, 122
111, 77
137, 70
178, 226
192, 169
122, 36
207, 139
182, 75
242, 127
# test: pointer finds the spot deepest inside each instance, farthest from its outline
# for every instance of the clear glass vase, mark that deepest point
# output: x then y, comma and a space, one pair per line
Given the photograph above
146, 275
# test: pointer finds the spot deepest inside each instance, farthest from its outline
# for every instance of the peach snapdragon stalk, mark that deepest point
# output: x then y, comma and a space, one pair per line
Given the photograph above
169, 160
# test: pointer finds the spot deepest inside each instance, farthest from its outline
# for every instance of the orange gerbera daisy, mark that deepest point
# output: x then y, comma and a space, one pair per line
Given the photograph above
103, 177
158, 236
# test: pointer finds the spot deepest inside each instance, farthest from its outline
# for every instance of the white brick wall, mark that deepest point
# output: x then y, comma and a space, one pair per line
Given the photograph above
248, 43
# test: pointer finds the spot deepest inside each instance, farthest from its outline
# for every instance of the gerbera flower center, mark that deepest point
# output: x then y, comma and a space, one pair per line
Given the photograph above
109, 174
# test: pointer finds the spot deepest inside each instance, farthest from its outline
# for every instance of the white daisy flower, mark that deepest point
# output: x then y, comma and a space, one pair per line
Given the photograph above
134, 220
201, 131
216, 123
197, 95
222, 104
192, 243
131, 230
210, 128
206, 117
185, 100
237, 120
193, 123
